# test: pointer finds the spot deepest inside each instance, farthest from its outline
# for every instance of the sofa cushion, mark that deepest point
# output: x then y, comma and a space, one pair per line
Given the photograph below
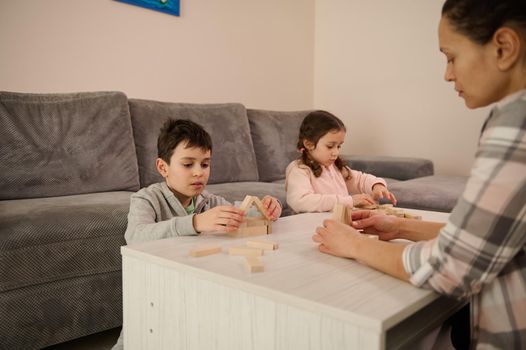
275, 135
48, 239
63, 144
233, 157
437, 192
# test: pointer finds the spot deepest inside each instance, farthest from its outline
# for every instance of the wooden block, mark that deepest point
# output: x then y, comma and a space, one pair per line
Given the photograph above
253, 264
261, 208
256, 222
339, 213
245, 251
247, 203
265, 245
249, 231
269, 228
371, 236
203, 251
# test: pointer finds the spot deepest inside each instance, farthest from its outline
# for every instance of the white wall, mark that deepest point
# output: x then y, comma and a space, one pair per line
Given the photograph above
259, 53
378, 67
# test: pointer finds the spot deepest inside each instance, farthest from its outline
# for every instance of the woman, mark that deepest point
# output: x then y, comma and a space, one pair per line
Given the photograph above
480, 254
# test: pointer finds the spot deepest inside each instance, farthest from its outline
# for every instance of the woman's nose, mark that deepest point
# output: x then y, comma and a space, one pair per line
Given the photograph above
449, 76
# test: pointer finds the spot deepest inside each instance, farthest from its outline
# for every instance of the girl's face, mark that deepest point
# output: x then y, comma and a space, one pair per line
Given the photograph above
328, 147
472, 67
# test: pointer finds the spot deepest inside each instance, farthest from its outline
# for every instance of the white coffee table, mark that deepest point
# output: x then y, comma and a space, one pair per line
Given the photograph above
303, 300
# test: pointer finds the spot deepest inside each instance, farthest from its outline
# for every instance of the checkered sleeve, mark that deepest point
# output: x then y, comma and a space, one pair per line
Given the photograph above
486, 229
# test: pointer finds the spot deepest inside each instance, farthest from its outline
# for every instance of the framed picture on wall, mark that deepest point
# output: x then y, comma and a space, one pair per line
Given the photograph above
167, 6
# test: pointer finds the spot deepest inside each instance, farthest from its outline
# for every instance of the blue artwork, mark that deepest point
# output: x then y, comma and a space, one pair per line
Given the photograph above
167, 6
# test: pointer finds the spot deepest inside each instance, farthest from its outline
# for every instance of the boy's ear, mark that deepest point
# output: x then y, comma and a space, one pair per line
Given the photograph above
162, 167
508, 47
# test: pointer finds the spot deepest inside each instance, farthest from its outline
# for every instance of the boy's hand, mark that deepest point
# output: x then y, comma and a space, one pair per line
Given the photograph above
222, 219
380, 191
273, 207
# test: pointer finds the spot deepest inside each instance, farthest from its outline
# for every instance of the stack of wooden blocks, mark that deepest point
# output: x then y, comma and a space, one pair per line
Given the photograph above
253, 226
389, 209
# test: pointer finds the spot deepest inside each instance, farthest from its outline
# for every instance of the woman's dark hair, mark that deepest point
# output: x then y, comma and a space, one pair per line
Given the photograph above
173, 132
314, 126
480, 19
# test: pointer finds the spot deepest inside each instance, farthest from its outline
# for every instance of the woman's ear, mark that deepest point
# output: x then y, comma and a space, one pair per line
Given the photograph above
508, 47
162, 167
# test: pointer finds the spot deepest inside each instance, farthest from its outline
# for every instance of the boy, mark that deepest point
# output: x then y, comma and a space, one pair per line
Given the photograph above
180, 206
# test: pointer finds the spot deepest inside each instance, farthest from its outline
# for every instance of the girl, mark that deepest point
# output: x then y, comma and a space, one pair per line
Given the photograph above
480, 254
319, 178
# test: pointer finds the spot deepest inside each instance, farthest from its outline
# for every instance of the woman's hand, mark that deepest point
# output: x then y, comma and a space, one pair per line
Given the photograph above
380, 192
223, 218
336, 238
386, 227
273, 207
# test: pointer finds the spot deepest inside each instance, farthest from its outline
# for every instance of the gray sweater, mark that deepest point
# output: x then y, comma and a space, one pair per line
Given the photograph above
156, 213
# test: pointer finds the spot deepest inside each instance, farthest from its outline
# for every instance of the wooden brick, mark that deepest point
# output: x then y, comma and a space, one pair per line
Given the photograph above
203, 251
247, 202
245, 251
340, 213
253, 264
265, 245
249, 231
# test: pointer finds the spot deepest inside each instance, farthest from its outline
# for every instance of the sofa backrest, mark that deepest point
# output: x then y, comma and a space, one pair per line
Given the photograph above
64, 144
275, 135
233, 157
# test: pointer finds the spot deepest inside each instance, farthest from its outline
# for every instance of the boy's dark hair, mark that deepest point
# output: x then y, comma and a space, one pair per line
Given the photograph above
314, 126
480, 19
175, 131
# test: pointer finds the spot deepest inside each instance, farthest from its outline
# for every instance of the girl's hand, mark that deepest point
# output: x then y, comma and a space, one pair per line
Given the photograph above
222, 219
380, 191
336, 238
362, 199
386, 227
273, 207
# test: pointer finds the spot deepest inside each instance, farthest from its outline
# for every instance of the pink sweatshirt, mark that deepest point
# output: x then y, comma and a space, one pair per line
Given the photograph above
308, 193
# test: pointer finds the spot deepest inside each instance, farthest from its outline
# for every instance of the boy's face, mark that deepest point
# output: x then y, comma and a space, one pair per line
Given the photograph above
188, 171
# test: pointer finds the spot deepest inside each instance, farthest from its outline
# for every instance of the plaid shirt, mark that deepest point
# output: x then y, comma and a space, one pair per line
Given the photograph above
480, 254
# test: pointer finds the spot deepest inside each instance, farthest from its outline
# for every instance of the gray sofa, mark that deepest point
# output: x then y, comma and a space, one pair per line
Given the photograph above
68, 165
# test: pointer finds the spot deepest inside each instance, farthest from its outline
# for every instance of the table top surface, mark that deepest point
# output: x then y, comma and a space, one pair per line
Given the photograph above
297, 273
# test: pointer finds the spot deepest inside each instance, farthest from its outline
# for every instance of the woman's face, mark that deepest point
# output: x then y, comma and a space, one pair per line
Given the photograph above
472, 67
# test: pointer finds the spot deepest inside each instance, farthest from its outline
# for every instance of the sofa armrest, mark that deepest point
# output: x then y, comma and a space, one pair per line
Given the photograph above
400, 168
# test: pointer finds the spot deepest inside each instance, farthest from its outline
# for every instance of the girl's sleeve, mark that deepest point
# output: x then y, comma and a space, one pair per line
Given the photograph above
142, 225
302, 198
362, 182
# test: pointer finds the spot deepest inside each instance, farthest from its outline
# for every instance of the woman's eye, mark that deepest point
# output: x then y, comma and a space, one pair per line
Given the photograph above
187, 165
205, 165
